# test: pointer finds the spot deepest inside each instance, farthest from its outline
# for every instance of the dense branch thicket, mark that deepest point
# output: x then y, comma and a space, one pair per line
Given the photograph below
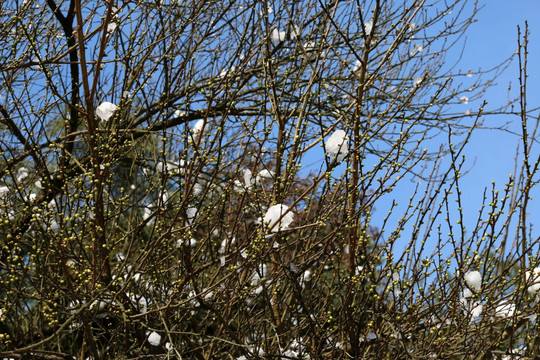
196, 179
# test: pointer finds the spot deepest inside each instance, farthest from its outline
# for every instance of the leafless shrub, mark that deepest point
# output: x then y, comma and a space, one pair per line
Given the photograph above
196, 179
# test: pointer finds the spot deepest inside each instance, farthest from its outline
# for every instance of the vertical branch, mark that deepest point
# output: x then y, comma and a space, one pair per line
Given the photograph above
353, 190
100, 262
277, 193
67, 26
522, 60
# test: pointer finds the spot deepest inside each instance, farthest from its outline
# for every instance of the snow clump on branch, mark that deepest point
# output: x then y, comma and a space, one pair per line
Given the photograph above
505, 309
474, 280
246, 185
264, 174
277, 218
105, 110
201, 128
277, 36
154, 338
337, 145
533, 280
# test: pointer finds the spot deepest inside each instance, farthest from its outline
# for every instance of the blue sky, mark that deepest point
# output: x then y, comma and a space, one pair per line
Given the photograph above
489, 41
490, 156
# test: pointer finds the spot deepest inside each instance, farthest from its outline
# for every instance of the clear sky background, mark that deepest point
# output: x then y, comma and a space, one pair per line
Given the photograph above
489, 41
490, 156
